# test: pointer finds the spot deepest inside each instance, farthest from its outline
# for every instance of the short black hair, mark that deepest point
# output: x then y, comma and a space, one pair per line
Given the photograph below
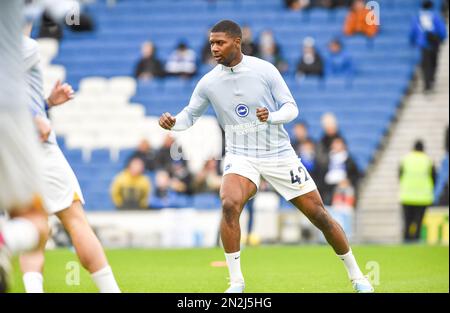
229, 27
419, 146
427, 5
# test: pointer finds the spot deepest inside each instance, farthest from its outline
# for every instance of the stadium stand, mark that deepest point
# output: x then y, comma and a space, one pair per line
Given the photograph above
112, 111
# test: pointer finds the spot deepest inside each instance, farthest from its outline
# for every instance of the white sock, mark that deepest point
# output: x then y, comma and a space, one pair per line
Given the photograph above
105, 281
234, 267
20, 235
34, 282
351, 266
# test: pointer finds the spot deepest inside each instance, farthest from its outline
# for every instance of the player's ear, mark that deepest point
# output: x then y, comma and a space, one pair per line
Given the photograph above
237, 41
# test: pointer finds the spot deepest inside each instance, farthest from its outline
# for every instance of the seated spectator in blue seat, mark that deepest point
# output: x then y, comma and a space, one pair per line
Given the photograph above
331, 131
340, 166
307, 153
329, 4
162, 184
270, 51
149, 66
344, 197
182, 62
130, 188
361, 20
146, 153
248, 46
310, 63
296, 5
181, 178
207, 57
163, 156
164, 195
338, 62
343, 205
299, 136
169, 186
209, 178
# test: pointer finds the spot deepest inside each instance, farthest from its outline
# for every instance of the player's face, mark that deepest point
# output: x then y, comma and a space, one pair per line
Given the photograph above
224, 47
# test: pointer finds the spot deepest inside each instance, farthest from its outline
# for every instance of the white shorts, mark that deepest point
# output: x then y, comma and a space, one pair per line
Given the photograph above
61, 187
20, 160
288, 175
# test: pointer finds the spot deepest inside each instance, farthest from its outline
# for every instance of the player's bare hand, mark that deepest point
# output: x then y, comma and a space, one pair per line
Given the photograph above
60, 94
43, 128
167, 121
262, 114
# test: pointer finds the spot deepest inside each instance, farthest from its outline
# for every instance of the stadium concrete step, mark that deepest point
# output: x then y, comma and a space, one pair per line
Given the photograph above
422, 116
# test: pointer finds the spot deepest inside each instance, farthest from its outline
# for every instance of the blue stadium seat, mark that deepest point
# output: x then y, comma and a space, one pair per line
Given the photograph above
206, 201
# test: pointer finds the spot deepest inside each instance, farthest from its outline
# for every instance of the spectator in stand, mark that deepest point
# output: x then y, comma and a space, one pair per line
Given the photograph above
340, 166
300, 135
207, 57
270, 51
296, 5
330, 4
130, 188
307, 153
344, 198
181, 178
428, 31
149, 66
209, 178
311, 63
331, 131
359, 21
51, 28
338, 62
306, 149
248, 46
343, 205
162, 182
417, 178
182, 62
163, 156
146, 153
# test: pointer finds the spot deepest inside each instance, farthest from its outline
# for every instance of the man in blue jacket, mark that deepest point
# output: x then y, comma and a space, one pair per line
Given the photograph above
428, 32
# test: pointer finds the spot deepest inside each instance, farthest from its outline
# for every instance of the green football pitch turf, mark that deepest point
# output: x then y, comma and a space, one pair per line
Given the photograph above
292, 269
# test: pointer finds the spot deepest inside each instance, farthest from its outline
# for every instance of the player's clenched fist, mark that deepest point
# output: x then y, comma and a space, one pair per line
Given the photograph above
262, 114
167, 121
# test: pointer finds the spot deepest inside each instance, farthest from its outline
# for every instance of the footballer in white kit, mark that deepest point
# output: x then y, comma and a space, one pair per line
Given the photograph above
20, 175
61, 190
61, 186
252, 102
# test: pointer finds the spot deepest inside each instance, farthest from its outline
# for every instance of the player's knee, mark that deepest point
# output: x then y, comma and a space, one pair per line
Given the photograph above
230, 208
73, 217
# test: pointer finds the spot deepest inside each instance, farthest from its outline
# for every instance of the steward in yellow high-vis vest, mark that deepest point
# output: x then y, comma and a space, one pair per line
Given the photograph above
417, 176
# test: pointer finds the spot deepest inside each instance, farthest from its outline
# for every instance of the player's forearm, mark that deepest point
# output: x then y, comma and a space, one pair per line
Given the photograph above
287, 113
183, 121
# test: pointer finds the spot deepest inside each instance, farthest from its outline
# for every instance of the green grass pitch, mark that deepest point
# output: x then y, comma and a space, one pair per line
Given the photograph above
292, 269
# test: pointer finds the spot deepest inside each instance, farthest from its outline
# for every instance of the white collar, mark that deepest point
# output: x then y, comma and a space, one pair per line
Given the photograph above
236, 68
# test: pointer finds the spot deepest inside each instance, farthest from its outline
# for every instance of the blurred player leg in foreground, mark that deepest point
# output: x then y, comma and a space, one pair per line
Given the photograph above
88, 249
62, 192
19, 154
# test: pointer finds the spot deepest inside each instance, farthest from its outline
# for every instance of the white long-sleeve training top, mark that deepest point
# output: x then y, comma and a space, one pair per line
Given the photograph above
235, 93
